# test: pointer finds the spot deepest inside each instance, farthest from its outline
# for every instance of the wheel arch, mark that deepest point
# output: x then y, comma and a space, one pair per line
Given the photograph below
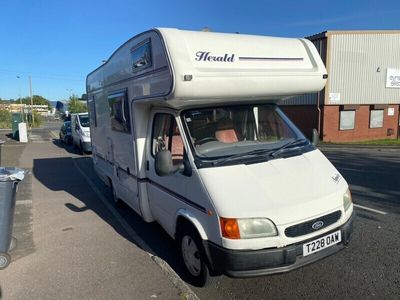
183, 217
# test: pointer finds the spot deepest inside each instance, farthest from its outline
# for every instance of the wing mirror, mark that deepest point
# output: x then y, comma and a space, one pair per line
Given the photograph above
164, 165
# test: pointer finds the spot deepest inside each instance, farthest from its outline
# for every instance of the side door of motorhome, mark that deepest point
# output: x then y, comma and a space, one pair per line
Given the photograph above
121, 149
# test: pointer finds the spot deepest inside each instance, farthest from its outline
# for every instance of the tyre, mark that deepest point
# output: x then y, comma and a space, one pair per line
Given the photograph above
5, 260
192, 256
80, 148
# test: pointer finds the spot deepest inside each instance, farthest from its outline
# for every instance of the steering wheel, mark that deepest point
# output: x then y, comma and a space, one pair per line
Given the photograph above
205, 140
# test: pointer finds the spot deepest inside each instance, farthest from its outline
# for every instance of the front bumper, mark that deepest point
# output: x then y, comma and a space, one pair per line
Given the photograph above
250, 263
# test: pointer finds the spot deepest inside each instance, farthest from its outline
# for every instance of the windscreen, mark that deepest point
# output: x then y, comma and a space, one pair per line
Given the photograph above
231, 130
84, 120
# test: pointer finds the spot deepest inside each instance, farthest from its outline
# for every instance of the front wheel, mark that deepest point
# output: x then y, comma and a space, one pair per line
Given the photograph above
192, 255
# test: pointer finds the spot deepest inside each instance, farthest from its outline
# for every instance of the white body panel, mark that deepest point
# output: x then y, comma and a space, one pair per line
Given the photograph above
243, 68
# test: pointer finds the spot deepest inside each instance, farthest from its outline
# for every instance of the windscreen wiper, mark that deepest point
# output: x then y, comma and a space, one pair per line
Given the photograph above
242, 155
274, 153
278, 151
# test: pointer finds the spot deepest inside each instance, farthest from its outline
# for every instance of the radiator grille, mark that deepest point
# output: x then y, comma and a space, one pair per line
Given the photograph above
307, 227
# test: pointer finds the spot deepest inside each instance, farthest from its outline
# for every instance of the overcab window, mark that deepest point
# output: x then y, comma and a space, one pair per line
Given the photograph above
119, 112
141, 56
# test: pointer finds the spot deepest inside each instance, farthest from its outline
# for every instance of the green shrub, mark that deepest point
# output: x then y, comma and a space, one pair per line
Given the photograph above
5, 118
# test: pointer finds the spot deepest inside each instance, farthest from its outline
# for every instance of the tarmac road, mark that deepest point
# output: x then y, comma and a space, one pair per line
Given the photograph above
368, 268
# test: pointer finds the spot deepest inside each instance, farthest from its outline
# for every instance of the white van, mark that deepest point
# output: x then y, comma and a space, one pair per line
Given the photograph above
80, 129
186, 131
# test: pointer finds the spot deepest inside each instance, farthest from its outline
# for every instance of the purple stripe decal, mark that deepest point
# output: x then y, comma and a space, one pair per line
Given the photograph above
269, 58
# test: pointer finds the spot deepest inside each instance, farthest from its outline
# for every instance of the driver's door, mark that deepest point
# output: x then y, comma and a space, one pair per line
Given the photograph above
166, 193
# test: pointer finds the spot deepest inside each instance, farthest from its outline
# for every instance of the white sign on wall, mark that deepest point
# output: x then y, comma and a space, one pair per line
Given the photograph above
393, 78
334, 98
391, 111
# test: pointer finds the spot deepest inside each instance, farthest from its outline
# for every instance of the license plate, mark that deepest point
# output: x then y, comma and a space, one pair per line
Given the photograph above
322, 243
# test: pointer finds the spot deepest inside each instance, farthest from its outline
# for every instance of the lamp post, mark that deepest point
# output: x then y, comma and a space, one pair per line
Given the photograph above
30, 92
19, 97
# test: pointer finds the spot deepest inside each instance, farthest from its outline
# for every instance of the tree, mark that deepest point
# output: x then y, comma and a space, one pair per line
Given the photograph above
75, 105
5, 118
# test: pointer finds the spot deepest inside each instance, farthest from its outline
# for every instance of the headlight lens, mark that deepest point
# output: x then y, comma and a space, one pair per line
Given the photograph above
247, 228
347, 201
255, 228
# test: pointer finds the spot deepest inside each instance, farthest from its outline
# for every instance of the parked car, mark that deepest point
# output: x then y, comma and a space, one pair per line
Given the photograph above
81, 132
65, 133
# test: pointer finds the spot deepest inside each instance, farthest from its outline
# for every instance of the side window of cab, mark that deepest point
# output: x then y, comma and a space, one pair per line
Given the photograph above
166, 136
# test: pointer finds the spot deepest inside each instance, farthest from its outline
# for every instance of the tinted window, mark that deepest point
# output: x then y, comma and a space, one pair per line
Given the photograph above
84, 120
166, 136
141, 57
92, 111
119, 112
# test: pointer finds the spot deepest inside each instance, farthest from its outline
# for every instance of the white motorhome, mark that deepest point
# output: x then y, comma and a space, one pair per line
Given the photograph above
186, 130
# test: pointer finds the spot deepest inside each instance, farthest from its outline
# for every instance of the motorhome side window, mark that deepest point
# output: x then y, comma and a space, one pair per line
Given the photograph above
166, 136
92, 112
119, 112
141, 57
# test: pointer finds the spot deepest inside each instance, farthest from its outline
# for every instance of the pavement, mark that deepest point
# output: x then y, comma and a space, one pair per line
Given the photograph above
70, 246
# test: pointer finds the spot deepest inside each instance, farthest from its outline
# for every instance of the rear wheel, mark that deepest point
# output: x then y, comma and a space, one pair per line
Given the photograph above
192, 255
5, 260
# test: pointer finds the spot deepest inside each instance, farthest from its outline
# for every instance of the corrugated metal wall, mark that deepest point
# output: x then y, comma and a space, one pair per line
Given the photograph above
310, 99
306, 99
355, 59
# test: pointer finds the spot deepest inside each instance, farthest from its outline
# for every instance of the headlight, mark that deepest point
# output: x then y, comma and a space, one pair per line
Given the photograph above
247, 228
347, 201
86, 133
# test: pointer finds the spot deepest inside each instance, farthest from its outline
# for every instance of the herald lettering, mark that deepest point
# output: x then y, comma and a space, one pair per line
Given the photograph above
206, 56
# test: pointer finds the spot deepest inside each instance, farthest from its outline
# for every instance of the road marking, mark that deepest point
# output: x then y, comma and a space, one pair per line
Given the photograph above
171, 274
54, 135
23, 202
371, 209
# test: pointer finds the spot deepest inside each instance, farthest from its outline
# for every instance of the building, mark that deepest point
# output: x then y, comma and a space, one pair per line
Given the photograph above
25, 108
362, 96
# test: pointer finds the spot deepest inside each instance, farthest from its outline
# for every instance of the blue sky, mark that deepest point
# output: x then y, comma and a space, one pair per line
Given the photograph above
59, 42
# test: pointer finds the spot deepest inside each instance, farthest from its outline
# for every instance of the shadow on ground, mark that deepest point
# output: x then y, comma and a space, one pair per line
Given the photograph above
60, 174
68, 147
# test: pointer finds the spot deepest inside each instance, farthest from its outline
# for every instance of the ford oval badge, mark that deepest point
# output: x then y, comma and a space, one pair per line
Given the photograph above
317, 225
